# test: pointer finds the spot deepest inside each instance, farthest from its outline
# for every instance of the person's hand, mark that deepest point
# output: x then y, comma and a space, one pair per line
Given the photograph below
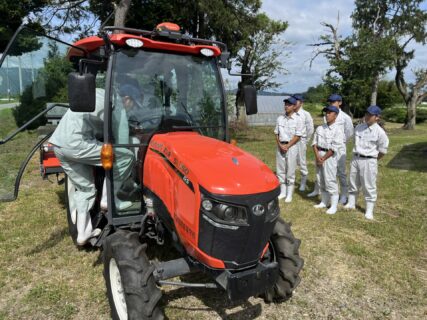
284, 147
320, 161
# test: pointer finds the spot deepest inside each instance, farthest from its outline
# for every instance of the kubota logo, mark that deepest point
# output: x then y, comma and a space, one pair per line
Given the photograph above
258, 209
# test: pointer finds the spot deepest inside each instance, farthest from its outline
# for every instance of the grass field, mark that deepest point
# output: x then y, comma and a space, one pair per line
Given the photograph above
354, 269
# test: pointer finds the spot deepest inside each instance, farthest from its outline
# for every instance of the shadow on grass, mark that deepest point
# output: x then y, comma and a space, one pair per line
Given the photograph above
55, 237
214, 300
411, 157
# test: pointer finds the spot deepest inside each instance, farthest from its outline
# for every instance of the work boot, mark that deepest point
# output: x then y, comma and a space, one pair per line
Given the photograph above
84, 229
351, 204
334, 204
289, 192
369, 214
324, 202
282, 191
303, 183
315, 191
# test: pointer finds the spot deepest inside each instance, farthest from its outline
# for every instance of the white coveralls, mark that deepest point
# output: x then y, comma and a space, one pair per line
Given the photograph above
286, 163
368, 142
343, 121
77, 148
328, 138
307, 121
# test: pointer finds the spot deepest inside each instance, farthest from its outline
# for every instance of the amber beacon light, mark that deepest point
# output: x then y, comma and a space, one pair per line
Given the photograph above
107, 156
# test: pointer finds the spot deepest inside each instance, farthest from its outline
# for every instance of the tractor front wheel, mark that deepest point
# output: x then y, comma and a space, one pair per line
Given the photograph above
284, 249
131, 288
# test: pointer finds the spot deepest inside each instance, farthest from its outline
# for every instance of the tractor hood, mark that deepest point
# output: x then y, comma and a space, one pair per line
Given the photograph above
217, 166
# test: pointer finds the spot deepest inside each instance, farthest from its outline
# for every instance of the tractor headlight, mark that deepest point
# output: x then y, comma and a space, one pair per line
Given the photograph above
272, 210
223, 213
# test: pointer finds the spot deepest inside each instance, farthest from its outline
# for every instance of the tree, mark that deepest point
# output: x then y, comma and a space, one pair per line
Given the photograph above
13, 14
391, 25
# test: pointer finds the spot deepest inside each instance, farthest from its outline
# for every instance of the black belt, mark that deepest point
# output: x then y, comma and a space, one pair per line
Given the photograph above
284, 142
362, 156
323, 149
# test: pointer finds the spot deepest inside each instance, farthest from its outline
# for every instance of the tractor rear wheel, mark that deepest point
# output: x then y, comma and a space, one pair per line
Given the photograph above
131, 288
284, 249
71, 208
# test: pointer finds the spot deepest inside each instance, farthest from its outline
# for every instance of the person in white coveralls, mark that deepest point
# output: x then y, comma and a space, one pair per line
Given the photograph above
288, 131
370, 145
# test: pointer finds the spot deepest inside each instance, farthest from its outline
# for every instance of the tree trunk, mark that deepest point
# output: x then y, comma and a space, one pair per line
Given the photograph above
411, 116
374, 89
121, 13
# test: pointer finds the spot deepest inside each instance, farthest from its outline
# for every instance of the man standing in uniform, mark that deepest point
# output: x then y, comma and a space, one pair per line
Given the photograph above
326, 142
370, 145
344, 121
307, 120
288, 132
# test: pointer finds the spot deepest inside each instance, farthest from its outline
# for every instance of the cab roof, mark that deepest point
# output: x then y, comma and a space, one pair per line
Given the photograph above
92, 44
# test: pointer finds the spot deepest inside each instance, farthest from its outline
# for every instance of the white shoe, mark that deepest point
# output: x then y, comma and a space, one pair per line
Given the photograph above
315, 191
82, 241
351, 204
369, 214
324, 202
282, 191
289, 192
303, 183
334, 204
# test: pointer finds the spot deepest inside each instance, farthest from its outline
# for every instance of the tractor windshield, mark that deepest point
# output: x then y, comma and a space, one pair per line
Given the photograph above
165, 92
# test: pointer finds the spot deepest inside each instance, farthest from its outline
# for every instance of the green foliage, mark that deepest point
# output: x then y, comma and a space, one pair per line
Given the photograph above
12, 13
388, 95
317, 94
399, 115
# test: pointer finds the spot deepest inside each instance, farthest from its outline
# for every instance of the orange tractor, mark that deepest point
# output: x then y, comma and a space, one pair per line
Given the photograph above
189, 187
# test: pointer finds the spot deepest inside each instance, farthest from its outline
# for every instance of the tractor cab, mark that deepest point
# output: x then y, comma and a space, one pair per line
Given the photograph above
172, 84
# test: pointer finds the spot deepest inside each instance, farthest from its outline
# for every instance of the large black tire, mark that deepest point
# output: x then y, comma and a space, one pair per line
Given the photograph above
131, 288
71, 209
284, 249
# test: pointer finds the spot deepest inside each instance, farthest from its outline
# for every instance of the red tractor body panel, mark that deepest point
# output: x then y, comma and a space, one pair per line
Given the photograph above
91, 44
176, 166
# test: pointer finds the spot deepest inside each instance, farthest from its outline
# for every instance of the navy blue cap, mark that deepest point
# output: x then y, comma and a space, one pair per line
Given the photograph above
334, 97
131, 91
375, 110
298, 97
331, 108
290, 100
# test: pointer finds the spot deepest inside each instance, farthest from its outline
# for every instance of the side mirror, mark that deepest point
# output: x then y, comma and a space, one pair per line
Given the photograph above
249, 94
81, 92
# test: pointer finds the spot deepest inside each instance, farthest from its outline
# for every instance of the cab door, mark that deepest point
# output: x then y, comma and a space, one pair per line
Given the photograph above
33, 88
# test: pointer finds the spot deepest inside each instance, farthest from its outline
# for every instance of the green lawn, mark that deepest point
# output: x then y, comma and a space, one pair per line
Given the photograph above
354, 269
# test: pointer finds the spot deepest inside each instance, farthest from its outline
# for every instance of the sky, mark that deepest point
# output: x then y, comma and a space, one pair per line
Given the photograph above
304, 18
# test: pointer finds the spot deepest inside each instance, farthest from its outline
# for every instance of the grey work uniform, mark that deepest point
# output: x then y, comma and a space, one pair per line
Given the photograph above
328, 138
343, 121
77, 147
307, 121
286, 162
368, 142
